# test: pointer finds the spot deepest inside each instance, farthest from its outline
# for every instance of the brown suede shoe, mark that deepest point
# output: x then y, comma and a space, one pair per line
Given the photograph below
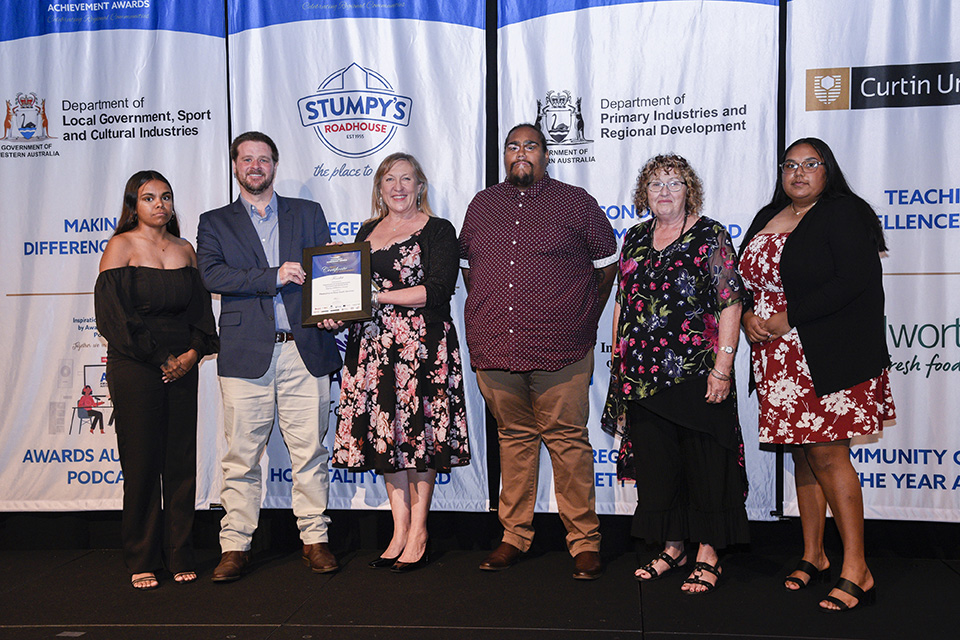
232, 565
587, 565
503, 557
318, 558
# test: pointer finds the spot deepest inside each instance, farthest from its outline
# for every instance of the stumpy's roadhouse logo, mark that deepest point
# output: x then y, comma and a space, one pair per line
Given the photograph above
26, 118
561, 119
355, 111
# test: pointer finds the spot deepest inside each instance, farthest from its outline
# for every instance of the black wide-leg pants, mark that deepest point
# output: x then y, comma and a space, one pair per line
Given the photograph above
156, 427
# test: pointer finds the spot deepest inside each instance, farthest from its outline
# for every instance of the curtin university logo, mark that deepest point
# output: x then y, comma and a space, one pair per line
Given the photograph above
934, 84
828, 89
355, 111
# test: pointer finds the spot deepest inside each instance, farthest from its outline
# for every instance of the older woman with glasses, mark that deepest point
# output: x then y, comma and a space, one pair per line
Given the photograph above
672, 394
814, 313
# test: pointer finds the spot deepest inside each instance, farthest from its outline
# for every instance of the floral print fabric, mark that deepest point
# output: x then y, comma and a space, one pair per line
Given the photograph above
790, 411
401, 393
670, 303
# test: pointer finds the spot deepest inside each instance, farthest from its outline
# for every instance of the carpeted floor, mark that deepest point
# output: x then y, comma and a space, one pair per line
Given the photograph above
84, 594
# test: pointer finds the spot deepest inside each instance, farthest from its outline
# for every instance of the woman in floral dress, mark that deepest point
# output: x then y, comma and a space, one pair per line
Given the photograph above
811, 260
402, 410
671, 396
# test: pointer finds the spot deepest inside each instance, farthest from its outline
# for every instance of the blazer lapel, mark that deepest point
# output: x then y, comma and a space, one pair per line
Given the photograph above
291, 249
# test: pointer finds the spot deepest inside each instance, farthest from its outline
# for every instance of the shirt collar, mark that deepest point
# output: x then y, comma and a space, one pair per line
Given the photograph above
532, 191
270, 209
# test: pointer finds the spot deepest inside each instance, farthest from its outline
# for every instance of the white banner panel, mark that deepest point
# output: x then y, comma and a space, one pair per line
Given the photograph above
615, 83
339, 86
882, 88
92, 94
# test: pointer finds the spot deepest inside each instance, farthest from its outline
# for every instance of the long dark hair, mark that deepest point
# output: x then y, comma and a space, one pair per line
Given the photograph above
836, 186
128, 213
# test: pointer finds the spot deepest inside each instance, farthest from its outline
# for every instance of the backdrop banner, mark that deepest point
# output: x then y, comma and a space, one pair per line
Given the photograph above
339, 87
614, 83
92, 93
883, 93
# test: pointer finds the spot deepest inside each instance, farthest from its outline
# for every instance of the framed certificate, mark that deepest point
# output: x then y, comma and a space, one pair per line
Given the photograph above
337, 284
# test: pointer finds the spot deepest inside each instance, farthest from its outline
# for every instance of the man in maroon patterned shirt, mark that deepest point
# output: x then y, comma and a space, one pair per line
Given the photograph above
539, 259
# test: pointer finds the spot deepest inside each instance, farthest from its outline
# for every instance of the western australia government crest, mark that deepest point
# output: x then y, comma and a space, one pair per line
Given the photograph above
26, 118
355, 111
561, 120
26, 128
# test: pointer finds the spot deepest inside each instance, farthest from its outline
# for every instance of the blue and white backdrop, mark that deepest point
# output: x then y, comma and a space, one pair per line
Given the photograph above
94, 91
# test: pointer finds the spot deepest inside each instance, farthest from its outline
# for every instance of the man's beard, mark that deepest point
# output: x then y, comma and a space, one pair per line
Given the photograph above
255, 191
522, 180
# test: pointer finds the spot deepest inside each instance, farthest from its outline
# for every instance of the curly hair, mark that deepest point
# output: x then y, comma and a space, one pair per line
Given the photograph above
666, 162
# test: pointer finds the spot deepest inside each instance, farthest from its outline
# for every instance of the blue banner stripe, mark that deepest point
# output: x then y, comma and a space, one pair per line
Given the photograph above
513, 11
26, 19
247, 14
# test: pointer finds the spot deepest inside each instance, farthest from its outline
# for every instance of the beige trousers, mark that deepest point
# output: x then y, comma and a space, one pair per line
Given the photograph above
301, 404
549, 407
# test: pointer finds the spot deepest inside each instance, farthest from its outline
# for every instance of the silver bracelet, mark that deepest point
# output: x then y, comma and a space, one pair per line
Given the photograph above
727, 349
375, 298
719, 376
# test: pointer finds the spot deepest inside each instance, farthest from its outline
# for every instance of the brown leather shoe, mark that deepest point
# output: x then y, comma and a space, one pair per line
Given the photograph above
503, 557
232, 565
319, 559
587, 565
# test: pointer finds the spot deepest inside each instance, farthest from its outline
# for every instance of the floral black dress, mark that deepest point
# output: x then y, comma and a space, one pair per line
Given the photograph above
666, 344
668, 330
401, 395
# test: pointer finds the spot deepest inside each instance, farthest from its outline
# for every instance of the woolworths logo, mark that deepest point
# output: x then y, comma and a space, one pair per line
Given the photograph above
925, 336
943, 337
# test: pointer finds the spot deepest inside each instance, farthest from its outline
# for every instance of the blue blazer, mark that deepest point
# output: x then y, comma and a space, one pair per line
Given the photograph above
233, 264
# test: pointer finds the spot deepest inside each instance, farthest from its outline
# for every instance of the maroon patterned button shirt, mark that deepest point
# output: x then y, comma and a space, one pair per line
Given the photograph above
533, 300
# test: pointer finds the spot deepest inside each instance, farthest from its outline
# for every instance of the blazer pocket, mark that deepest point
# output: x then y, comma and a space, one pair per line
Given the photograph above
230, 319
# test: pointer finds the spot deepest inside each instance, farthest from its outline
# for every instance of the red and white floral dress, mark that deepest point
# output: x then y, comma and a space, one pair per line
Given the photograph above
790, 411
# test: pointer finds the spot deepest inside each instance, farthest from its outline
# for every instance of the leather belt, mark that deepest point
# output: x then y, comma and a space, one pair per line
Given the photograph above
283, 336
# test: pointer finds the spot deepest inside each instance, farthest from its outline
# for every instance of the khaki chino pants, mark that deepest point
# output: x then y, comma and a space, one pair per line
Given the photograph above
301, 404
549, 407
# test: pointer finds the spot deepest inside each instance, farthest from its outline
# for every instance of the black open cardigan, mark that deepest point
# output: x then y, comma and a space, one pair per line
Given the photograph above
833, 284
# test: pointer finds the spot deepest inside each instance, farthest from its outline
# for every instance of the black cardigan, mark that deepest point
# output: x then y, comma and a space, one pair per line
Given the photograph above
833, 284
440, 257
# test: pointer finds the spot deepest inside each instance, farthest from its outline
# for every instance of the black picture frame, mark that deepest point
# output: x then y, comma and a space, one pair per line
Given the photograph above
332, 289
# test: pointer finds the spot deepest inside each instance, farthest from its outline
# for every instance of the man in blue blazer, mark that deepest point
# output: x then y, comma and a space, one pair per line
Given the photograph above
250, 253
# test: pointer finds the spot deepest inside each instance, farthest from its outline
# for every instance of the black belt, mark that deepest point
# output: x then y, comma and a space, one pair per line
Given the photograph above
283, 336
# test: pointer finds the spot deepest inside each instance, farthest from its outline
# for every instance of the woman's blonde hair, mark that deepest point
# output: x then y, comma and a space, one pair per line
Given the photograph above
377, 207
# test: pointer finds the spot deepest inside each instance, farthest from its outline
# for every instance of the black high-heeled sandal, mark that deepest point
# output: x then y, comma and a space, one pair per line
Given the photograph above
816, 575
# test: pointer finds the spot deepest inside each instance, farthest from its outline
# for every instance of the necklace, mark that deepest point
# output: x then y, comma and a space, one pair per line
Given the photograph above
657, 262
802, 211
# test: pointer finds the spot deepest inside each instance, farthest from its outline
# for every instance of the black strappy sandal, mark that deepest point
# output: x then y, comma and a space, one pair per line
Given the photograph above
674, 563
816, 575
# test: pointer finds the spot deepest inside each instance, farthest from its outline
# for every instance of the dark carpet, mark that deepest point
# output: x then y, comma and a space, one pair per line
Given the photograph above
71, 593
